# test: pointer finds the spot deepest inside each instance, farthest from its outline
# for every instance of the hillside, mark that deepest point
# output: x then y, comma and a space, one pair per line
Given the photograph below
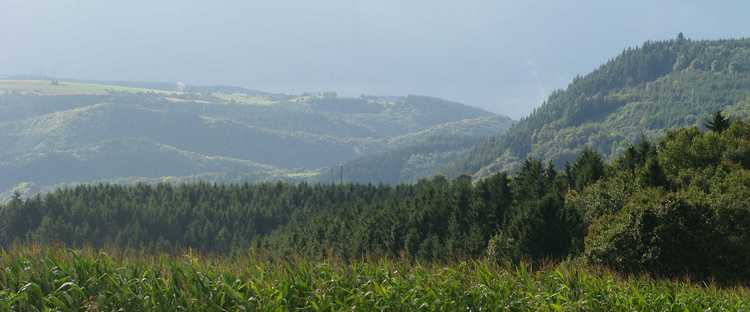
643, 91
674, 207
425, 153
80, 131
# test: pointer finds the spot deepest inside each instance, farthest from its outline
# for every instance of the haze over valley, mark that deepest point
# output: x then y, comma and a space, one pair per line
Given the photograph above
374, 156
63, 132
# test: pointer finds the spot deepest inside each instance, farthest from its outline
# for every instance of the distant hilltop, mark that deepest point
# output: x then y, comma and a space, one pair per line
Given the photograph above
73, 131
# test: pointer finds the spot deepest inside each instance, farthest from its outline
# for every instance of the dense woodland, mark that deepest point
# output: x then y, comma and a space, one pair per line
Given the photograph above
677, 206
645, 90
55, 133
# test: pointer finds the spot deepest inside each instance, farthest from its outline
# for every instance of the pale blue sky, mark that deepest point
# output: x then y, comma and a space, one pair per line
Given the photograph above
504, 56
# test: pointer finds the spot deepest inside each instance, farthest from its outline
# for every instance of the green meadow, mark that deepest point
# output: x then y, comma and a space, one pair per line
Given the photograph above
46, 87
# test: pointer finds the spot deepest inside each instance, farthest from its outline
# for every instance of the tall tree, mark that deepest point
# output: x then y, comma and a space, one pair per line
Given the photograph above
533, 181
718, 123
652, 174
588, 168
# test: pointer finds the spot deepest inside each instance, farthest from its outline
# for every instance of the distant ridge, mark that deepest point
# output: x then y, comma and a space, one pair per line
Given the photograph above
643, 91
63, 131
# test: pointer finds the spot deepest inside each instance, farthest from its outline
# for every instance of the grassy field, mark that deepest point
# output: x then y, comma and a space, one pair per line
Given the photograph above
245, 99
45, 87
57, 279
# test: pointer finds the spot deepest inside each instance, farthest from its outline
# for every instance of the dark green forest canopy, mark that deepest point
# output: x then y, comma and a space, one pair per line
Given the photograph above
643, 91
676, 206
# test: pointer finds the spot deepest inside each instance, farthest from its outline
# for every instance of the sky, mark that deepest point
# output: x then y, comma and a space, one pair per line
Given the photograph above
504, 56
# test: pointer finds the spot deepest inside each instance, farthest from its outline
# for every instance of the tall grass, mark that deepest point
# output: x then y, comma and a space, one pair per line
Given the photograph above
58, 279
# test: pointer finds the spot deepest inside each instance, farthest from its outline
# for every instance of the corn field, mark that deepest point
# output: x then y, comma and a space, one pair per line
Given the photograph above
59, 279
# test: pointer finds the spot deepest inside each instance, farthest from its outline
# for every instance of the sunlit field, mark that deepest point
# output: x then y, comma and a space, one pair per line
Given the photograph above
56, 279
46, 87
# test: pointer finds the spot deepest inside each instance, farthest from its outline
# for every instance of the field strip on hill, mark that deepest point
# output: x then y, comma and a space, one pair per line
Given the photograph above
45, 87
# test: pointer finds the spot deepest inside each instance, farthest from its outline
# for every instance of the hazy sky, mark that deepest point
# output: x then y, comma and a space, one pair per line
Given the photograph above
504, 56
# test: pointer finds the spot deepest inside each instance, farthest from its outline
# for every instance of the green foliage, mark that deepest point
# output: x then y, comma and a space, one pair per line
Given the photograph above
661, 233
226, 135
675, 207
588, 168
421, 154
645, 90
652, 174
542, 229
636, 155
686, 215
606, 196
72, 280
719, 123
534, 180
433, 219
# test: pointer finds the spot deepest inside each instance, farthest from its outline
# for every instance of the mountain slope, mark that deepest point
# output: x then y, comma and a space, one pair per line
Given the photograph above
643, 91
421, 154
120, 158
57, 133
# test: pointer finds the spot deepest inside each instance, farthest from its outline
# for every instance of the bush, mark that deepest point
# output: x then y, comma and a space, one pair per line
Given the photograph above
666, 234
729, 197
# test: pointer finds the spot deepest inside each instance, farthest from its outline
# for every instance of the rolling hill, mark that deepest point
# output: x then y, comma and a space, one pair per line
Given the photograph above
425, 153
643, 91
67, 132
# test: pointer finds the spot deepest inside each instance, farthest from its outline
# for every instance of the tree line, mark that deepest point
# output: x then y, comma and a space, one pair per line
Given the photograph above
677, 206
658, 85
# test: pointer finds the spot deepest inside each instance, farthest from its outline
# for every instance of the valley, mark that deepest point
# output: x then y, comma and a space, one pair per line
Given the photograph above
63, 133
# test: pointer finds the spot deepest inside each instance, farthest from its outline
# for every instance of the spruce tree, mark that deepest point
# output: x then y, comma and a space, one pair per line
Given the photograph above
653, 174
588, 168
718, 123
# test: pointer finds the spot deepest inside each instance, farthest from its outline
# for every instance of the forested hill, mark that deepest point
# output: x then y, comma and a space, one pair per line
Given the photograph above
643, 91
409, 157
676, 207
62, 132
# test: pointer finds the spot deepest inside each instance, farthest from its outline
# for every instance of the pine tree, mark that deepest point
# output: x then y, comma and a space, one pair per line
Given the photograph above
719, 123
653, 174
532, 182
681, 37
588, 168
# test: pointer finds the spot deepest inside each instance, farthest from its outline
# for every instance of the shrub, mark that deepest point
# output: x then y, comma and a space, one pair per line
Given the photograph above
667, 234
